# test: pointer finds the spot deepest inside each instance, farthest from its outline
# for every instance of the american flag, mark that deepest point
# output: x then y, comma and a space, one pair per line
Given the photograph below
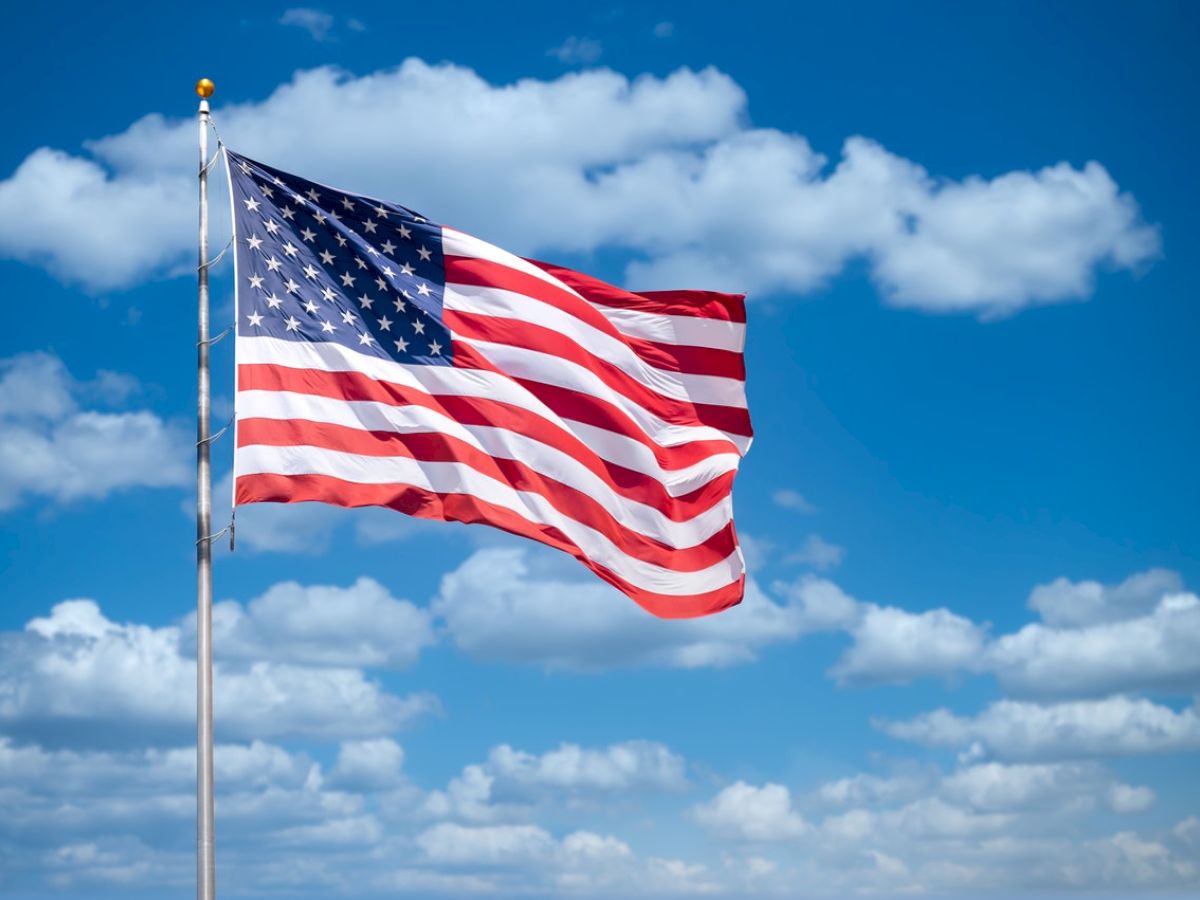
384, 360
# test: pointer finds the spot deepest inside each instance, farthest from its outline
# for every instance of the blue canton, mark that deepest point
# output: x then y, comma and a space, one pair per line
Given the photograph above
323, 265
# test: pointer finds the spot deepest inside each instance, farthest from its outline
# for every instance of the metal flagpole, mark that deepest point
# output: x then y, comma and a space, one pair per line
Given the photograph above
205, 855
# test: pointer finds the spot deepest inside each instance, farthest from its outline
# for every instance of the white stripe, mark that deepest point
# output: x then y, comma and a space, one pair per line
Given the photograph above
631, 514
330, 357
459, 243
551, 369
497, 302
690, 331
459, 478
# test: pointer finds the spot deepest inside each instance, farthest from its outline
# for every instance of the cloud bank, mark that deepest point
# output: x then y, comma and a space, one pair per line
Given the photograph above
669, 169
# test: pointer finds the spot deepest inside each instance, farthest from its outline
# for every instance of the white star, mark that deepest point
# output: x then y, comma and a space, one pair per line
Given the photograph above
254, 241
419, 326
288, 213
256, 281
255, 319
385, 323
274, 302
399, 304
310, 306
401, 345
327, 326
267, 192
424, 253
348, 280
341, 240
387, 270
389, 248
313, 195
327, 257
309, 271
403, 231
346, 202
423, 289
273, 264
290, 250
347, 317
319, 216
365, 302
293, 324
407, 295
251, 204
244, 167
365, 338
419, 219
372, 251
381, 283
370, 226
328, 294
271, 226
308, 234
435, 348
358, 262
407, 269
277, 181
381, 211
291, 286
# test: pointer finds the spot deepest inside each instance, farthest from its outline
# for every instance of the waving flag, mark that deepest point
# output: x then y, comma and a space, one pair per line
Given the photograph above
383, 360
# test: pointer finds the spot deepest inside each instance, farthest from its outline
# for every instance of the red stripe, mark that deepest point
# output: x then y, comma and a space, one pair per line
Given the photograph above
434, 447
481, 411
699, 304
427, 504
729, 419
476, 272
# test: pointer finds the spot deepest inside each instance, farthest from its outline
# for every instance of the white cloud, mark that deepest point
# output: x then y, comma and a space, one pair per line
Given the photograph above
511, 782
525, 605
360, 626
316, 22
373, 763
892, 644
577, 51
52, 448
789, 499
76, 672
666, 167
1063, 602
753, 813
1160, 650
664, 29
1011, 729
818, 553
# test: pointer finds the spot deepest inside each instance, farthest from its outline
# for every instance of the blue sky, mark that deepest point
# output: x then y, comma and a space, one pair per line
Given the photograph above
968, 661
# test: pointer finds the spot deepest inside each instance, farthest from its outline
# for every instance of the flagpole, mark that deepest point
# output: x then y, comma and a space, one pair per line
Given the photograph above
205, 850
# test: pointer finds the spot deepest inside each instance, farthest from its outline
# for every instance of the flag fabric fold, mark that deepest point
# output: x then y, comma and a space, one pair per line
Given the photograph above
384, 360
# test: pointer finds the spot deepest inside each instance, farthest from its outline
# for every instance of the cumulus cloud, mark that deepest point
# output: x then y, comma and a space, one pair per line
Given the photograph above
752, 813
1068, 603
1012, 729
789, 499
667, 168
360, 626
524, 605
51, 447
1158, 650
892, 644
511, 782
77, 675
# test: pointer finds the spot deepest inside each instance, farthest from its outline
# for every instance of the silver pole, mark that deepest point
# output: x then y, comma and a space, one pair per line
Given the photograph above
206, 869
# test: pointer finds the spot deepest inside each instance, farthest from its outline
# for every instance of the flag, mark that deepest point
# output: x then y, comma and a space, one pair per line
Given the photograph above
384, 360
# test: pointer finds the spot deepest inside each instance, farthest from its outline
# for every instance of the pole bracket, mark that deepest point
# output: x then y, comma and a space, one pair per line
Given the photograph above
213, 437
215, 340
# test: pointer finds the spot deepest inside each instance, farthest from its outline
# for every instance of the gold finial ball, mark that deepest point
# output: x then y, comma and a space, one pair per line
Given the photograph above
205, 87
